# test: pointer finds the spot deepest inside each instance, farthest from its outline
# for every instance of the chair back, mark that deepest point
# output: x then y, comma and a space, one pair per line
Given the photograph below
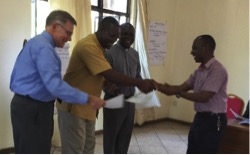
235, 103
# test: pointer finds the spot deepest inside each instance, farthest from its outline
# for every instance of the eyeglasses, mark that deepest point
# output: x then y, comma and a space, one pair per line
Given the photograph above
69, 33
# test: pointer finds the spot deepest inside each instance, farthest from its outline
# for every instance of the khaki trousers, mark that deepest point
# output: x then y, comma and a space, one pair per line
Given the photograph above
77, 134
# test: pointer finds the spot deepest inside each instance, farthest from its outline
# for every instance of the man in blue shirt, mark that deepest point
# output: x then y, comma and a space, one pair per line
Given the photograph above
36, 81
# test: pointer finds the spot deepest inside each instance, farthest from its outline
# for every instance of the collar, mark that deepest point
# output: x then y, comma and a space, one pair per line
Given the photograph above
121, 47
208, 64
48, 36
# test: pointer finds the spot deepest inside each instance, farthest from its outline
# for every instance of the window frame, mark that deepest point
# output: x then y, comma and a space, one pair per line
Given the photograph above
99, 8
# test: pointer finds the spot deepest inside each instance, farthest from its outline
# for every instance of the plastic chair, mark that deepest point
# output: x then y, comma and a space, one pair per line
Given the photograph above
235, 103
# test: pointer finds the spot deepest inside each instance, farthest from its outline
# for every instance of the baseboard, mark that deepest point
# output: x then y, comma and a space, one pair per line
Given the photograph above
179, 121
9, 150
165, 119
99, 132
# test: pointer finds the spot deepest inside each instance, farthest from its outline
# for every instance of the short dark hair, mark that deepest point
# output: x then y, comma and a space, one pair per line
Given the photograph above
106, 22
124, 25
60, 16
209, 40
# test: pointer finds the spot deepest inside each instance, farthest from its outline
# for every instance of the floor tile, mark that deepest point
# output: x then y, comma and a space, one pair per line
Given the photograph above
99, 148
175, 146
164, 137
133, 140
170, 134
57, 150
153, 150
52, 149
134, 149
149, 141
99, 138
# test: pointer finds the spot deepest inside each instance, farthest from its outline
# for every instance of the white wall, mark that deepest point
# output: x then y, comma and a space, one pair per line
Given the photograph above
15, 18
226, 20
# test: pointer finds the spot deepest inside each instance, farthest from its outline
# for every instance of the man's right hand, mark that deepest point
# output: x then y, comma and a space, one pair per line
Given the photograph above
164, 88
96, 102
146, 85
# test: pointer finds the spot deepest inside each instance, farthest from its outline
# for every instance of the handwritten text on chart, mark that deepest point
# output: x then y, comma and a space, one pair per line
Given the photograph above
157, 42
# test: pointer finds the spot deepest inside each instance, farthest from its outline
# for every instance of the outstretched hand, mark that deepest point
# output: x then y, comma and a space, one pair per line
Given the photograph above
168, 89
147, 85
163, 88
96, 102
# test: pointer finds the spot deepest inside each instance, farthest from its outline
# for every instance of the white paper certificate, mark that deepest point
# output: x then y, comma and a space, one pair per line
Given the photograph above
142, 100
116, 102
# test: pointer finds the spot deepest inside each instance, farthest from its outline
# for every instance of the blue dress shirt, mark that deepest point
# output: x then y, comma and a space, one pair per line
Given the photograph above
37, 73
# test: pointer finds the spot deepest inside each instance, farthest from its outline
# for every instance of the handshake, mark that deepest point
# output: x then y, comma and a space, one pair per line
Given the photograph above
144, 85
149, 85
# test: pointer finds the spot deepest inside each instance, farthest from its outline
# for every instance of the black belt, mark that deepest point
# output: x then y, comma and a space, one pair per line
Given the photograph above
209, 114
28, 97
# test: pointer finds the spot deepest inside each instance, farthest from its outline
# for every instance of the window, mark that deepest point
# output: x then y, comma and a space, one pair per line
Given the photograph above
40, 10
118, 9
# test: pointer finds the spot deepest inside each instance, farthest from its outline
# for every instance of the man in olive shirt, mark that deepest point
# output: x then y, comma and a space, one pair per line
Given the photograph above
87, 71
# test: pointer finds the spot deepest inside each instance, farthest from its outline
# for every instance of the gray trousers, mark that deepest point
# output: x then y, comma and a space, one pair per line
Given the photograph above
117, 128
77, 134
32, 124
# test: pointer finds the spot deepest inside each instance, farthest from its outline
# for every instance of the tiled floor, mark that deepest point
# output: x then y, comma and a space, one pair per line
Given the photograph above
164, 137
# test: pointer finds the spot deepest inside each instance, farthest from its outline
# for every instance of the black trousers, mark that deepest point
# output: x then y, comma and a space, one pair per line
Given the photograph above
32, 123
205, 135
117, 128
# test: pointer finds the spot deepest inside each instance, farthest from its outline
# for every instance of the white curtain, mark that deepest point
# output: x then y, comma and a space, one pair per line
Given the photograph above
139, 19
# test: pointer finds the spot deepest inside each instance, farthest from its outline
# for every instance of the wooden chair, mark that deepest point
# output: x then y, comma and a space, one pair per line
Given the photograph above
235, 103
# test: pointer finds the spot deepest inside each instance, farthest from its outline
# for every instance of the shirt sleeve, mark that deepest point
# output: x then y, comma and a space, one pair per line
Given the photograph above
109, 58
138, 75
215, 79
49, 66
94, 59
190, 81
